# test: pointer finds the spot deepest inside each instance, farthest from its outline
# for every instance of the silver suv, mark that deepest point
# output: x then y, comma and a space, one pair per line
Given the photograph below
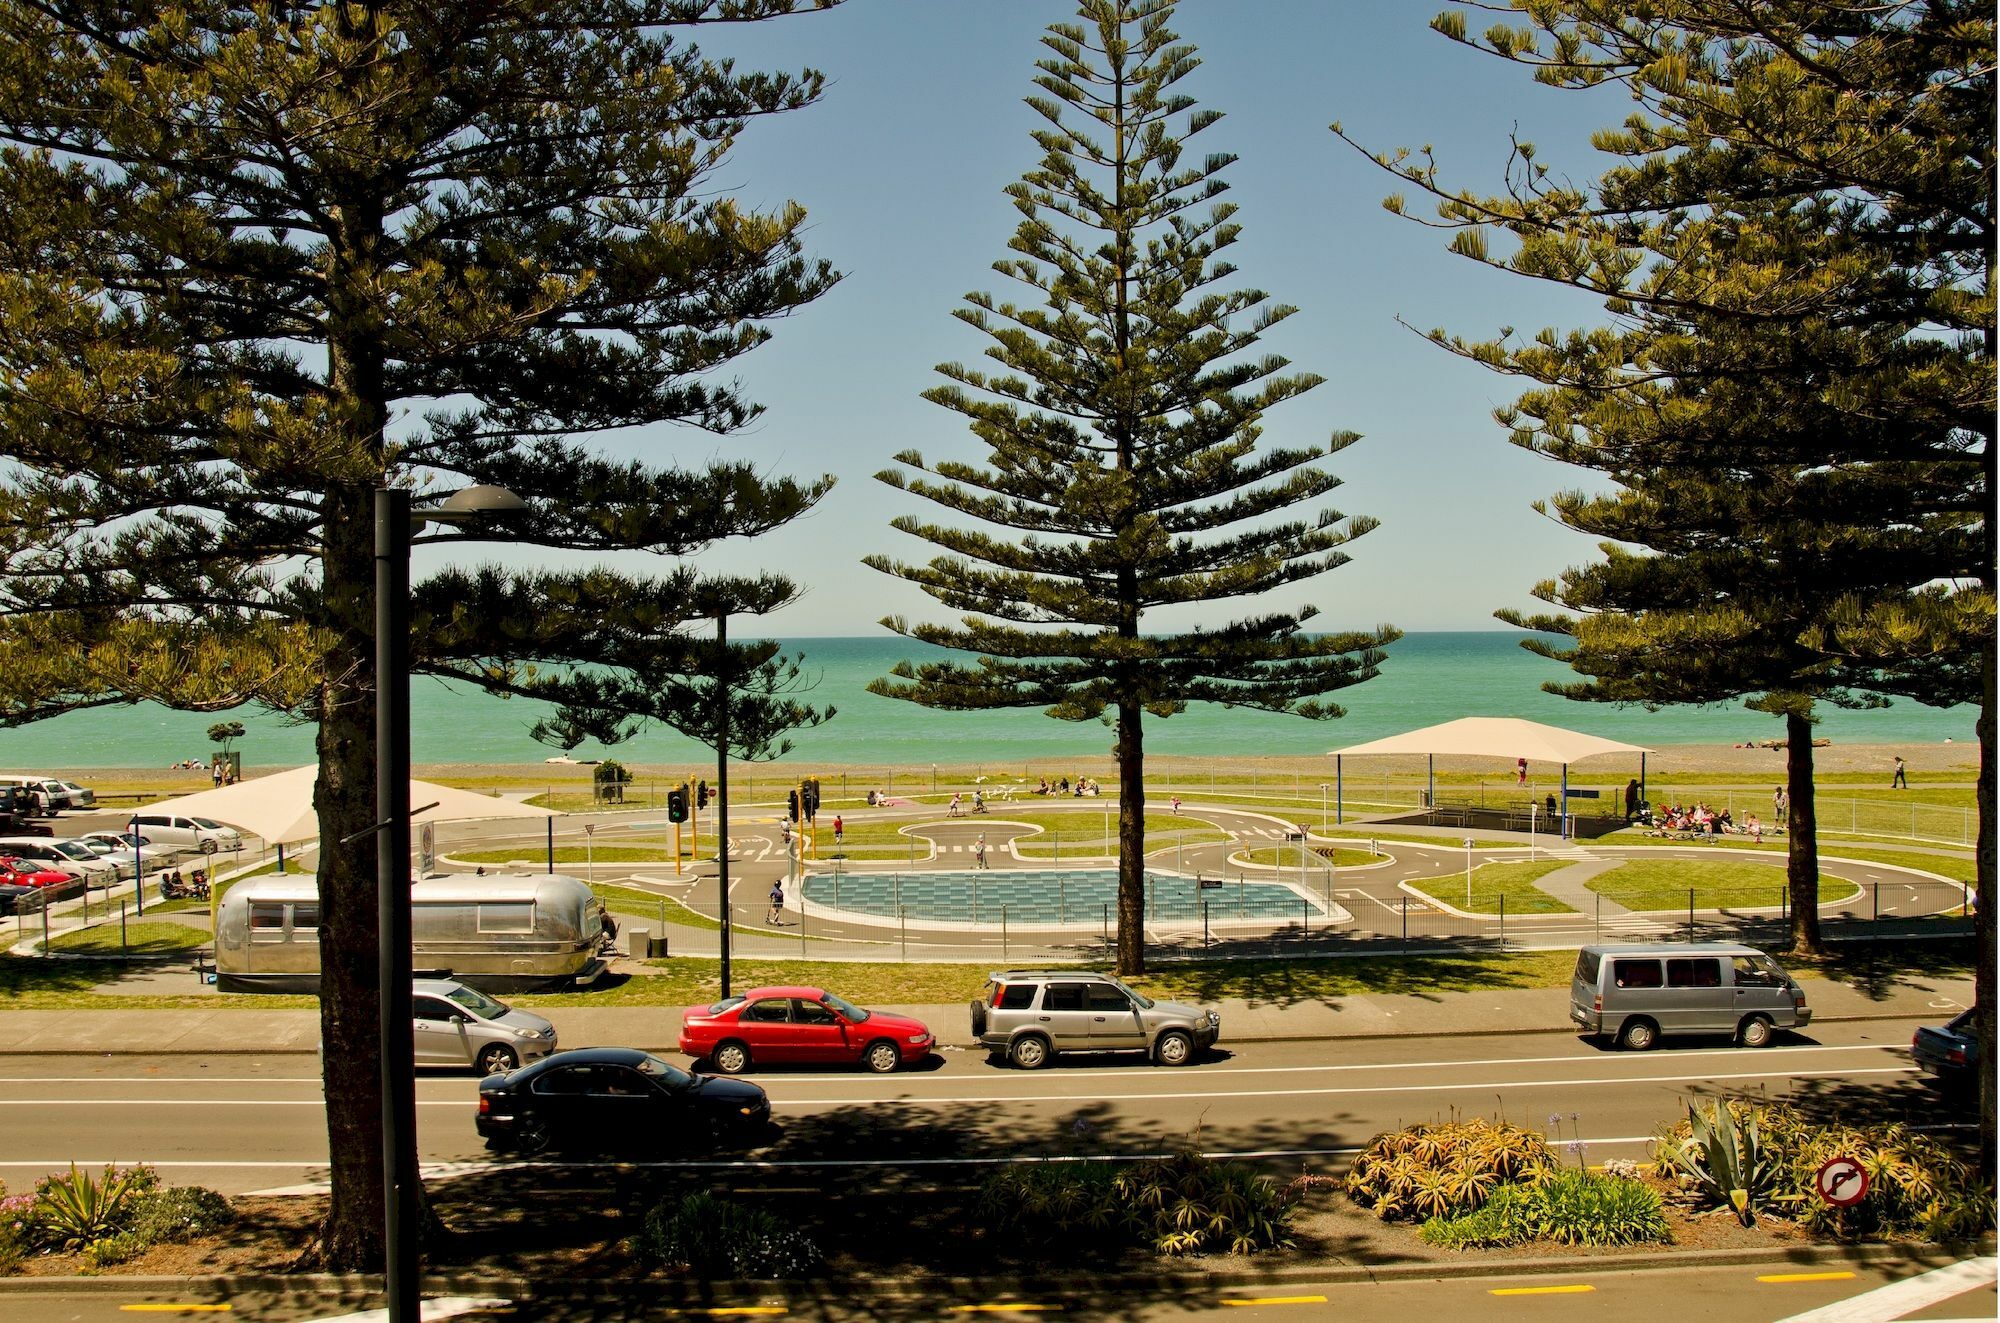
1028, 1016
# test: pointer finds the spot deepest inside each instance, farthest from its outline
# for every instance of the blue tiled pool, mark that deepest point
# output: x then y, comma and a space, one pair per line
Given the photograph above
1053, 896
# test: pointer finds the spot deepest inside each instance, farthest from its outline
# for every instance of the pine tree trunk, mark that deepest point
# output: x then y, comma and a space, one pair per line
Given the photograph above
1802, 836
1131, 841
1983, 903
351, 1237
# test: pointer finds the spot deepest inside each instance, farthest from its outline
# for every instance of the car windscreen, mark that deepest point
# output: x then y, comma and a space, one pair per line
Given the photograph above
726, 1004
481, 1005
844, 1008
670, 1075
71, 850
209, 823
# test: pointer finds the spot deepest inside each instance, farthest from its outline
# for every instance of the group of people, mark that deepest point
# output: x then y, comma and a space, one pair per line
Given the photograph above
1082, 786
1699, 819
956, 809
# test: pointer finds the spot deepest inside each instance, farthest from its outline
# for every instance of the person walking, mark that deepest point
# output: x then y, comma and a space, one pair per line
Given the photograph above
1631, 799
774, 917
836, 829
1901, 780
957, 806
1780, 802
1520, 771
979, 851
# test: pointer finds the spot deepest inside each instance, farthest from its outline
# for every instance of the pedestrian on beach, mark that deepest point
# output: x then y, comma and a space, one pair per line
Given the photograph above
1520, 771
1901, 780
979, 850
773, 918
836, 829
217, 775
1780, 801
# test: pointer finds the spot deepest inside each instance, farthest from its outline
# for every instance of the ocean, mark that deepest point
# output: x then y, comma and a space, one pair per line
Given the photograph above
1428, 678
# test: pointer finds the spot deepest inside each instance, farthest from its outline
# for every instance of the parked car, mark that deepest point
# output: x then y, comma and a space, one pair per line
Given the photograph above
204, 834
617, 1098
19, 872
44, 796
111, 844
1948, 1054
461, 1026
1639, 993
1029, 1016
63, 857
17, 899
799, 1026
80, 797
26, 887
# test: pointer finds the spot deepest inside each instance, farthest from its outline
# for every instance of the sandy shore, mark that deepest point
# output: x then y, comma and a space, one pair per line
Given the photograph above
1957, 762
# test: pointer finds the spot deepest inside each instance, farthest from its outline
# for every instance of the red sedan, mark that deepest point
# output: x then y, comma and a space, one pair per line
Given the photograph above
23, 873
806, 1026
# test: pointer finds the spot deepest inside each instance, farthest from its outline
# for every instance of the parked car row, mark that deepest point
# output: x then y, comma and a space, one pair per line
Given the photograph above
45, 796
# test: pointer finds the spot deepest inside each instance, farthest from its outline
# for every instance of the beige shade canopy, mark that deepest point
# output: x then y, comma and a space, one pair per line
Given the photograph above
1496, 737
279, 807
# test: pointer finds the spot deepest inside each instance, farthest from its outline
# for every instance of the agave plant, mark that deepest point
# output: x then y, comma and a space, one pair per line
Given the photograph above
71, 1212
1725, 1165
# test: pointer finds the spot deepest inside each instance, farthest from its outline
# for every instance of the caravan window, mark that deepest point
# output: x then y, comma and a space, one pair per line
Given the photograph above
305, 917
267, 921
507, 918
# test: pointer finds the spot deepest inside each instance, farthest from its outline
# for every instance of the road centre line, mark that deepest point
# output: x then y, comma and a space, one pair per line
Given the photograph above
1733, 1053
1580, 1288
1252, 1301
1144, 1096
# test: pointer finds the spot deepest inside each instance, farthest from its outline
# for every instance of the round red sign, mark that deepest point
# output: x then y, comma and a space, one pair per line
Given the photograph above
1841, 1182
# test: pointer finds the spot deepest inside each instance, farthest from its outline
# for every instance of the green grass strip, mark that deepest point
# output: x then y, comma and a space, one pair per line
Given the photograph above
141, 937
1289, 856
1717, 884
1491, 882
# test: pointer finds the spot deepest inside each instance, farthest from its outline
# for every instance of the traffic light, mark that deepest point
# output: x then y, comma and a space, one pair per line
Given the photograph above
677, 804
792, 804
811, 787
701, 794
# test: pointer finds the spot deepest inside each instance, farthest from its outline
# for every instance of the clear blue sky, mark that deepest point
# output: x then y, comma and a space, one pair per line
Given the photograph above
902, 167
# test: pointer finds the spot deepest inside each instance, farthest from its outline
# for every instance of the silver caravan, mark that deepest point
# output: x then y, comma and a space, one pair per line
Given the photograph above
499, 934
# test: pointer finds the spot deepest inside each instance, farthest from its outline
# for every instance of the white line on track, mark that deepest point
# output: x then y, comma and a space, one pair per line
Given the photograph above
1127, 1073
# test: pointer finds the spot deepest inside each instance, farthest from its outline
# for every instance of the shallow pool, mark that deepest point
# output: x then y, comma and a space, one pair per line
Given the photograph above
1053, 896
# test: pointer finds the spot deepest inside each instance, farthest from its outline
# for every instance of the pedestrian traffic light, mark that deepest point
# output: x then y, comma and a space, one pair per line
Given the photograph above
701, 794
811, 788
677, 804
792, 804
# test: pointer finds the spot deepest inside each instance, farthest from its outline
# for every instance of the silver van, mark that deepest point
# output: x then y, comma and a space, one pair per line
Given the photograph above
1640, 993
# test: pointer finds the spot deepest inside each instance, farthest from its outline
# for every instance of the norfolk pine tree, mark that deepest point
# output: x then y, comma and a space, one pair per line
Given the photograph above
1888, 106
1124, 437
258, 261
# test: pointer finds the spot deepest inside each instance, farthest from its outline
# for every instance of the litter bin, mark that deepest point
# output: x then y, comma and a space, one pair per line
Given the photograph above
642, 945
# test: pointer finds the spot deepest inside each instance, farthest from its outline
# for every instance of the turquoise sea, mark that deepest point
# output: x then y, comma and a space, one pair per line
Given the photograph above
1428, 678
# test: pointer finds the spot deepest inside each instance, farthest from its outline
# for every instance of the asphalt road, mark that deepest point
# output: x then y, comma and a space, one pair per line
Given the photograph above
249, 1123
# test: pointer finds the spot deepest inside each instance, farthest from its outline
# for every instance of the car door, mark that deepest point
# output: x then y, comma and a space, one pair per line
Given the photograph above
1065, 1016
1701, 1004
1755, 987
766, 1025
821, 1036
1114, 1018
627, 1111
440, 1033
1637, 987
560, 1096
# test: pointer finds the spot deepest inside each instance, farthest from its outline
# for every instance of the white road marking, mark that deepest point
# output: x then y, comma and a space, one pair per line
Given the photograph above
444, 1306
1905, 1297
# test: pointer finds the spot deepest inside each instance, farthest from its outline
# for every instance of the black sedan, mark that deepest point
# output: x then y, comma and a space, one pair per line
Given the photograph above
617, 1098
1949, 1053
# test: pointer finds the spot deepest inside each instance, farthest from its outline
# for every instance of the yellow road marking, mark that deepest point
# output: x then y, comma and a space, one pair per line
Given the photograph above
726, 1311
1579, 1289
1275, 1300
1807, 1277
1005, 1307
177, 1309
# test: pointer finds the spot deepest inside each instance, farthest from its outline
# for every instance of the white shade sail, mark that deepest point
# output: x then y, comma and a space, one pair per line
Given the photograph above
279, 807
1496, 737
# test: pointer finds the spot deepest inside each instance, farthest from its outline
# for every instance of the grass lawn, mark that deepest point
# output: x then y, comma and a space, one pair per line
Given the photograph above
1288, 857
1662, 884
1492, 881
1083, 832
142, 937
571, 854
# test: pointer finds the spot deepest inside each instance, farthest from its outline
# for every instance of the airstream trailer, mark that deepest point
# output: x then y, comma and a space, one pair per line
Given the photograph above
499, 934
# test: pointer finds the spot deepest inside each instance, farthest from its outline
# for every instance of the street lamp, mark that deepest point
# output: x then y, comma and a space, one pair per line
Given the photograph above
395, 522
1322, 808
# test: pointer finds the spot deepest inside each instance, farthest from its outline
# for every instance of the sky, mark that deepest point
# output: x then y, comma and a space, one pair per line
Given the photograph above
902, 165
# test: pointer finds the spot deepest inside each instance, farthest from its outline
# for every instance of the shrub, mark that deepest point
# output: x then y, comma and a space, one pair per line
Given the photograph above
1441, 1170
183, 1213
115, 1249
1916, 1186
70, 1212
1570, 1208
1183, 1204
1725, 1163
713, 1237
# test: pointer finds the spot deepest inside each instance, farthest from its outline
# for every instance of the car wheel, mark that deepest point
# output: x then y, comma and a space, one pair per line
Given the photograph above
730, 1058
882, 1057
1638, 1035
1174, 1048
1756, 1032
210, 846
533, 1135
1030, 1052
495, 1059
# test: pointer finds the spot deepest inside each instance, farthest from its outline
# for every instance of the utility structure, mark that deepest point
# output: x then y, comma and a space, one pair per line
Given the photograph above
677, 814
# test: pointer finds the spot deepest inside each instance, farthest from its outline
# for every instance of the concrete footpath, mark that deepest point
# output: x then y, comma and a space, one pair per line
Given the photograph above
1496, 1011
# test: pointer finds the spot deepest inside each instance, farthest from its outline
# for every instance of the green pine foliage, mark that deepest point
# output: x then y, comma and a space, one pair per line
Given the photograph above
1122, 420
260, 260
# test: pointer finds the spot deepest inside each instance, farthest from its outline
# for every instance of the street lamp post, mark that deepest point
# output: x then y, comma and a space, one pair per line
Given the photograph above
1322, 808
395, 521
